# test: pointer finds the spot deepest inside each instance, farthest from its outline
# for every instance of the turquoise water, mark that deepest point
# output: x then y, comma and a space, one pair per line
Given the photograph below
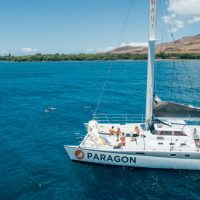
33, 163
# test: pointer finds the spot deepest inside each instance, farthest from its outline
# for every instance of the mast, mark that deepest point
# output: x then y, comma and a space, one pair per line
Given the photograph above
151, 61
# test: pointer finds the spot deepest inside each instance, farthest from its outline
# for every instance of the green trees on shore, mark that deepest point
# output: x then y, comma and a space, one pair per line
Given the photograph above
105, 56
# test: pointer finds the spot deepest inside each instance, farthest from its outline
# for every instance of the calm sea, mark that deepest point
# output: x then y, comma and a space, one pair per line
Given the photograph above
43, 107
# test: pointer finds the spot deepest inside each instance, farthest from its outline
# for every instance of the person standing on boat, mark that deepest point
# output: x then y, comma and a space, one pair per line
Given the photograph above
136, 133
118, 133
196, 138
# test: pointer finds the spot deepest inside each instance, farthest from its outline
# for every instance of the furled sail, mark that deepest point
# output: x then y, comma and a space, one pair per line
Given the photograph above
170, 109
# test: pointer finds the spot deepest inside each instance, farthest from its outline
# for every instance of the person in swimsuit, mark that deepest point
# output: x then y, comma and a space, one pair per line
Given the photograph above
112, 131
123, 139
136, 133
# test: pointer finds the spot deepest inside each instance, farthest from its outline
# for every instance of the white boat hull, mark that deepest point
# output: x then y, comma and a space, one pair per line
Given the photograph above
126, 159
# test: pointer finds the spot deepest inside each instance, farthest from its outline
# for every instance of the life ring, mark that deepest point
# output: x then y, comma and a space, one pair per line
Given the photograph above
79, 154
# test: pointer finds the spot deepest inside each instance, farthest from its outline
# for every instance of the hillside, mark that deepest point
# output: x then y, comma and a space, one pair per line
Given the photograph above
184, 48
189, 45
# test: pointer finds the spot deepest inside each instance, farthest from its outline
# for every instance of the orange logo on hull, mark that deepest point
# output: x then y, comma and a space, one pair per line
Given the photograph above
79, 154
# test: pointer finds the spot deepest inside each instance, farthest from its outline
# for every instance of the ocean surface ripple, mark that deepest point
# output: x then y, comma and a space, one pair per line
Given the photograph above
44, 106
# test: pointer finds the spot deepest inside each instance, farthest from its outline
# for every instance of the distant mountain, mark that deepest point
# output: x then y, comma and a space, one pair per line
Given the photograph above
189, 44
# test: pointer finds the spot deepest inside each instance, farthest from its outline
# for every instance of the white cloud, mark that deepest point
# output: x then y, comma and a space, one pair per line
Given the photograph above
175, 23
194, 20
188, 8
181, 13
28, 50
133, 44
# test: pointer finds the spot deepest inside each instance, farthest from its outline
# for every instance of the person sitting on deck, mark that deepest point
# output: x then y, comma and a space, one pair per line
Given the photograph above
103, 140
136, 133
123, 139
121, 143
118, 133
112, 131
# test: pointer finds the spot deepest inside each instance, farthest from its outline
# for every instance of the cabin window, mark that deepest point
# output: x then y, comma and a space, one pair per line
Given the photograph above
187, 156
160, 138
164, 132
179, 133
183, 144
160, 143
170, 133
173, 155
141, 153
171, 143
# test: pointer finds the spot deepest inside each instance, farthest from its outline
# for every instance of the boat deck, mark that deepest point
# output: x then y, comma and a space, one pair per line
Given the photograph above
181, 138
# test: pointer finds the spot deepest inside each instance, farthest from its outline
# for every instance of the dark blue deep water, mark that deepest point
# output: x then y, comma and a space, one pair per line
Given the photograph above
33, 163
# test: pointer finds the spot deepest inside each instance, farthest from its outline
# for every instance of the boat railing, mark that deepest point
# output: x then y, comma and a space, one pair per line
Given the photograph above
119, 118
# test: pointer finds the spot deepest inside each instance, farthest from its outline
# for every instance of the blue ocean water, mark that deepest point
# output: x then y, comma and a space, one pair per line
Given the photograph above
33, 163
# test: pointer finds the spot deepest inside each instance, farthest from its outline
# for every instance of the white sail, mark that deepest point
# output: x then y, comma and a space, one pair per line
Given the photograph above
151, 60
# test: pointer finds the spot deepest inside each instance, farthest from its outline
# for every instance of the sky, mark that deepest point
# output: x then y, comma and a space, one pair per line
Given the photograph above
89, 26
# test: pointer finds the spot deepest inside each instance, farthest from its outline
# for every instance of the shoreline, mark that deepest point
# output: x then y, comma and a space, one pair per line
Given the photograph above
117, 60
95, 57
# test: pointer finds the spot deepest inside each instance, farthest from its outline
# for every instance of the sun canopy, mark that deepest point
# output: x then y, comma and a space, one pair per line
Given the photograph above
167, 109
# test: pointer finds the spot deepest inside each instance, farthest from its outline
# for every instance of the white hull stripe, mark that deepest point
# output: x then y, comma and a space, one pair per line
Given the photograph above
99, 157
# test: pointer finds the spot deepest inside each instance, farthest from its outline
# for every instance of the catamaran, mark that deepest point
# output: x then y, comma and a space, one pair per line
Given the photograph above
166, 137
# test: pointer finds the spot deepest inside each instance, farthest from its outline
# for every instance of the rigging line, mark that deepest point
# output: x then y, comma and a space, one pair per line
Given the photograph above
174, 66
111, 64
178, 81
173, 93
159, 50
161, 26
183, 64
164, 25
163, 32
177, 73
165, 35
186, 70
